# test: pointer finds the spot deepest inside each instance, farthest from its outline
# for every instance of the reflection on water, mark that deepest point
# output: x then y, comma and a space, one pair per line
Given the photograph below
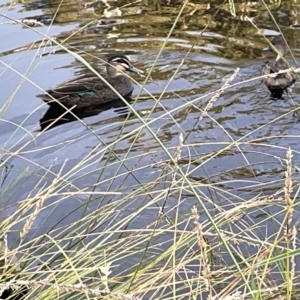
57, 115
233, 152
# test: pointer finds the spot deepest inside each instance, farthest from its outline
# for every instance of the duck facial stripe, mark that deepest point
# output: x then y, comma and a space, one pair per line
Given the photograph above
119, 60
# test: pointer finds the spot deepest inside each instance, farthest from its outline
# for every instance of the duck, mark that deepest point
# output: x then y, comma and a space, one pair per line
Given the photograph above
89, 90
278, 84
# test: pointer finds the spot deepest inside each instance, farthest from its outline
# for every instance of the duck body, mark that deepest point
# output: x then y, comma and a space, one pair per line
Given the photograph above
89, 89
278, 84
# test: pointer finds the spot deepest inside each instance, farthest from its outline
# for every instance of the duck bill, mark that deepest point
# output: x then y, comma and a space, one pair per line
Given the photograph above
267, 49
134, 70
278, 57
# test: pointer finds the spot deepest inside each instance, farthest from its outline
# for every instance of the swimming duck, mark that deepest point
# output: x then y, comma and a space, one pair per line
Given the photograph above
279, 83
88, 89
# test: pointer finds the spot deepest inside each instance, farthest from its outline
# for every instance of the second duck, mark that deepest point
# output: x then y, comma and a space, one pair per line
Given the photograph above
278, 84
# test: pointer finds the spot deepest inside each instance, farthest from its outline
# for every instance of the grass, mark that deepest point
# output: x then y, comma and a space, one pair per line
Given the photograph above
130, 227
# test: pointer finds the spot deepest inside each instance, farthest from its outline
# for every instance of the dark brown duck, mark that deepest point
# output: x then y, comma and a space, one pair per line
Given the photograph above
88, 89
278, 84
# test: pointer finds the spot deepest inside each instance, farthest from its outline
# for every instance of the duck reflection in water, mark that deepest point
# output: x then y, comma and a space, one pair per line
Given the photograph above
57, 115
278, 84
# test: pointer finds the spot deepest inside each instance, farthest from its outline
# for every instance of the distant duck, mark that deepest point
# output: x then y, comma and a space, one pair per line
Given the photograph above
89, 89
278, 84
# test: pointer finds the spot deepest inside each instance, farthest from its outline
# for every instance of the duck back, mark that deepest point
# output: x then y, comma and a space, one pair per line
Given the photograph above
277, 84
87, 90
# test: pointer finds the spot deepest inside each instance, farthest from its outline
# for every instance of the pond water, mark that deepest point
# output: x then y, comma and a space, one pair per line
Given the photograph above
236, 152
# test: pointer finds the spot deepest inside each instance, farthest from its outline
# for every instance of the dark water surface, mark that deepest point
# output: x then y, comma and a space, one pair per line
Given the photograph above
262, 128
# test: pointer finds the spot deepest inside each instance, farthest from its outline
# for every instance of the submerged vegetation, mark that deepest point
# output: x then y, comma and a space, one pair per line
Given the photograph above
177, 194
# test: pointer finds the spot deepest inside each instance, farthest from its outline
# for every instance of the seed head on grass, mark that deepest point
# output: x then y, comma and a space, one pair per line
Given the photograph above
204, 249
288, 184
288, 188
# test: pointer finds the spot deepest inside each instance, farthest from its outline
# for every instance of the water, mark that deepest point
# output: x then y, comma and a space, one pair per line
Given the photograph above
236, 153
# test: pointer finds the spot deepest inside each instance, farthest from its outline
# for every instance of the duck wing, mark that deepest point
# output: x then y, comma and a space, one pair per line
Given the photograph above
87, 90
69, 87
